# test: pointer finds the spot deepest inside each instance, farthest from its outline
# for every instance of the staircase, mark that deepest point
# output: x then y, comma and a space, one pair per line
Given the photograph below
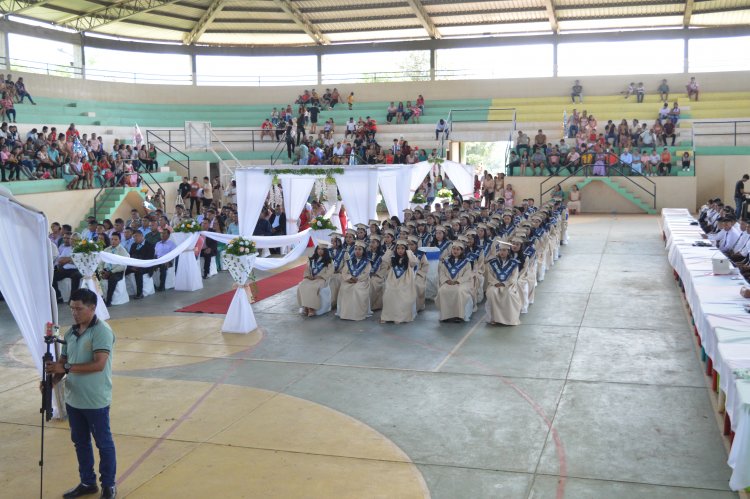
107, 208
622, 191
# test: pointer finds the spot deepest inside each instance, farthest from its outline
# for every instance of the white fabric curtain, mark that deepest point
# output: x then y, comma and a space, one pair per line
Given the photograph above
252, 188
297, 190
461, 175
359, 192
395, 182
418, 172
189, 242
26, 279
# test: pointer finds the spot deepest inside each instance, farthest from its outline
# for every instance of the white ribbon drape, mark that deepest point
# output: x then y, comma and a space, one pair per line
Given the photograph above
252, 188
461, 175
297, 190
26, 279
359, 192
240, 317
418, 172
395, 182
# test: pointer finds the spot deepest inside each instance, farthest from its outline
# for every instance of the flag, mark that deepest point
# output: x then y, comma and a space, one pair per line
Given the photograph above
137, 137
79, 149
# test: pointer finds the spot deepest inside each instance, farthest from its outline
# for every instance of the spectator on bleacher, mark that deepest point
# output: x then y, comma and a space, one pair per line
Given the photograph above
591, 124
266, 129
572, 161
414, 113
667, 132
441, 128
577, 91
640, 92
523, 162
280, 129
646, 138
610, 132
658, 131
663, 91
674, 113
300, 128
350, 101
351, 128
22, 93
407, 111
693, 89
420, 103
646, 163
664, 112
665, 162
626, 159
637, 164
335, 98
538, 160
313, 110
553, 161
9, 111
540, 141
390, 113
623, 135
71, 134
600, 161
739, 194
686, 161
630, 90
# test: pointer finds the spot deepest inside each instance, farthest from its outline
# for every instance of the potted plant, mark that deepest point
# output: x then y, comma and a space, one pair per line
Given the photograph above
321, 228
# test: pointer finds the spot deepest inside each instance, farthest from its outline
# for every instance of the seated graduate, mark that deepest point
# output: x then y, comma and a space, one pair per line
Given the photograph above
475, 254
349, 237
354, 294
337, 253
420, 269
389, 240
377, 273
441, 241
400, 287
525, 253
319, 270
455, 286
503, 294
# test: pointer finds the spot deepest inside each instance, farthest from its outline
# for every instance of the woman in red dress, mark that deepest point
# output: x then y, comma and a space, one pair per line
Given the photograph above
304, 221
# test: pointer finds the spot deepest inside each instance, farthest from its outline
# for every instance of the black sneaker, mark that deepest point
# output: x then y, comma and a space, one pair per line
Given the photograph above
81, 490
108, 493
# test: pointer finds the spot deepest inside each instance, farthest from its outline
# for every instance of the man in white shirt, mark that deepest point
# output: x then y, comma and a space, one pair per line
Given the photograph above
65, 268
733, 234
741, 249
90, 232
164, 246
338, 150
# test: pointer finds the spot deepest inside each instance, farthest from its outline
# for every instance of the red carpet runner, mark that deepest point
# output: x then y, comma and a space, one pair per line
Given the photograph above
269, 286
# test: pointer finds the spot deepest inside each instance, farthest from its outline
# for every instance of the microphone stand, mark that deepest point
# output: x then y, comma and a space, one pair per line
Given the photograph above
47, 382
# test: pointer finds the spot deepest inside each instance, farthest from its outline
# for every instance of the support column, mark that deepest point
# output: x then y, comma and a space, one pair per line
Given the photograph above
319, 59
194, 68
5, 50
79, 56
433, 61
686, 52
554, 59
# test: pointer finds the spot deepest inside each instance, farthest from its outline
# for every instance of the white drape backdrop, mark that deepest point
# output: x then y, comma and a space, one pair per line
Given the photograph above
359, 193
461, 175
296, 189
395, 183
252, 188
26, 278
418, 172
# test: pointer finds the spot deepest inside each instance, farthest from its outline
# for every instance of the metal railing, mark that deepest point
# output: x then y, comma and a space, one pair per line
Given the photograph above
246, 135
106, 190
160, 144
730, 125
585, 167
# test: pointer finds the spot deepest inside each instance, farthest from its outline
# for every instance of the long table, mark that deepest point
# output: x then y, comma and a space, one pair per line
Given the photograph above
722, 324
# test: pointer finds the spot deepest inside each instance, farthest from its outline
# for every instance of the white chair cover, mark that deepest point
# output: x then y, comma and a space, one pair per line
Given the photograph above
120, 296
148, 285
64, 286
169, 284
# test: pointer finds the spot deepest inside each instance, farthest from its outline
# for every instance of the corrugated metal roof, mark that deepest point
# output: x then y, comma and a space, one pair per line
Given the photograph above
361, 20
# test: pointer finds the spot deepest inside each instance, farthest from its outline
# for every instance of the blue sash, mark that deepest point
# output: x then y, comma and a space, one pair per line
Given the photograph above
419, 254
443, 245
473, 254
455, 268
316, 266
356, 268
337, 255
426, 239
530, 251
349, 249
375, 263
502, 270
398, 271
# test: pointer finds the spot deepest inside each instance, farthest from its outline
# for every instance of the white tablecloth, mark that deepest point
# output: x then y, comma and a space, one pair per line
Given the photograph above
722, 324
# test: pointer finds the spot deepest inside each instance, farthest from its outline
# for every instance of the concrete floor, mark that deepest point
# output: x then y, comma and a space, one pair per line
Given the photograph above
598, 394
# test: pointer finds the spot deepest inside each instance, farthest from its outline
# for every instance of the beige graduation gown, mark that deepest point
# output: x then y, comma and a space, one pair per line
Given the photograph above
422, 267
377, 280
452, 299
504, 302
308, 291
399, 293
354, 297
335, 282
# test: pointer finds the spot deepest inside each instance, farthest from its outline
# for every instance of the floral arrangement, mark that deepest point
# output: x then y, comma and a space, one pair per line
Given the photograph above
445, 193
239, 246
88, 246
188, 225
418, 198
322, 223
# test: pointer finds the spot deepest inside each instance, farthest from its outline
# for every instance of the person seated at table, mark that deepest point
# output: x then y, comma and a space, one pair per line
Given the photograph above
400, 288
420, 269
353, 302
318, 271
455, 286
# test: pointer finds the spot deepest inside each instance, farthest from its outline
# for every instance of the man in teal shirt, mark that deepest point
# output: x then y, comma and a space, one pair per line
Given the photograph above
86, 363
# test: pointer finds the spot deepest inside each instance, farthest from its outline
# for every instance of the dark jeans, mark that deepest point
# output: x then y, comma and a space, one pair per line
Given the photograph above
72, 274
83, 424
194, 202
9, 112
23, 95
112, 280
738, 207
207, 263
162, 269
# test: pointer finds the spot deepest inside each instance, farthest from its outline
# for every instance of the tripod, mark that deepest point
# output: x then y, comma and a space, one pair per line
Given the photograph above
47, 382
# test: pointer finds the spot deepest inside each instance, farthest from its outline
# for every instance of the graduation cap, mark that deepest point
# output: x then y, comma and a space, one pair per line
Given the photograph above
323, 244
336, 235
470, 232
482, 225
458, 243
389, 231
441, 228
411, 224
375, 237
361, 226
518, 240
352, 232
375, 222
360, 243
407, 210
402, 242
413, 239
